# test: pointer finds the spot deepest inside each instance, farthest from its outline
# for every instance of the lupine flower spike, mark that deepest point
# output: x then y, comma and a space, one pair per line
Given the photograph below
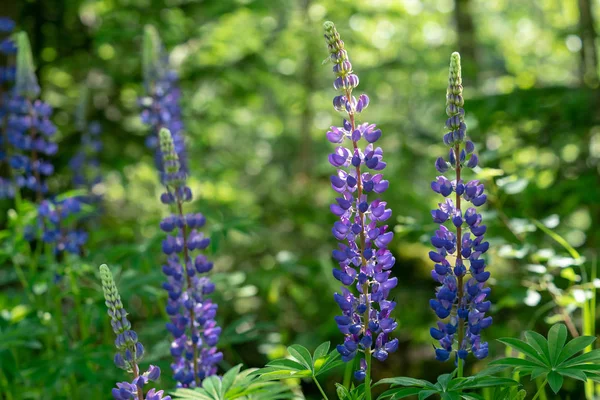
161, 104
193, 324
461, 300
29, 129
364, 261
7, 77
129, 350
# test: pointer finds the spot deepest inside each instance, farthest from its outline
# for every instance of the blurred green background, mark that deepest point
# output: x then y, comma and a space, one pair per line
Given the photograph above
257, 105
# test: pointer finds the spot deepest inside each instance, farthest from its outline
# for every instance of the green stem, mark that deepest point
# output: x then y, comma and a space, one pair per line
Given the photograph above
461, 364
541, 389
368, 374
320, 388
348, 374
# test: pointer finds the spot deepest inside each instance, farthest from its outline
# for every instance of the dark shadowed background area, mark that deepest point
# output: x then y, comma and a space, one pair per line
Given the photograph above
257, 104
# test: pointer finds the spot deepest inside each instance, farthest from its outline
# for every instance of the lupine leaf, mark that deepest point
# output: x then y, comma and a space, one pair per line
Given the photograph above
329, 366
450, 396
515, 362
286, 363
524, 348
229, 378
573, 373
592, 356
400, 393
423, 394
557, 337
471, 396
445, 379
487, 381
404, 381
539, 343
321, 351
212, 386
341, 391
536, 372
555, 380
302, 355
574, 346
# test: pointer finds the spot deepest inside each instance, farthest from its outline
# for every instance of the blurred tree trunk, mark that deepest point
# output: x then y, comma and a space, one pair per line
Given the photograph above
589, 54
467, 43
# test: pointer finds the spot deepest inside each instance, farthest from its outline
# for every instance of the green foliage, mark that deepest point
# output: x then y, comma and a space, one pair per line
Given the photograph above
302, 364
354, 393
448, 386
236, 384
554, 358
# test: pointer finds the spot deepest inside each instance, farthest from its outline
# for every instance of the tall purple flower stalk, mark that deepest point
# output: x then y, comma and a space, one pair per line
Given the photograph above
7, 77
192, 313
28, 128
363, 257
160, 106
129, 350
460, 301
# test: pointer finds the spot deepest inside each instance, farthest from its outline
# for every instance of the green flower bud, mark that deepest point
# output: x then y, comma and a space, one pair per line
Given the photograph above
26, 83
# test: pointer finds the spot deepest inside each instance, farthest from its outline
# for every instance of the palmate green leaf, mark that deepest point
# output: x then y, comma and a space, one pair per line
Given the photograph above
592, 356
515, 362
302, 355
286, 363
557, 336
526, 349
574, 346
321, 351
404, 381
283, 374
555, 381
229, 378
332, 361
471, 396
450, 396
573, 373
424, 394
485, 381
342, 392
539, 343
537, 372
444, 380
400, 393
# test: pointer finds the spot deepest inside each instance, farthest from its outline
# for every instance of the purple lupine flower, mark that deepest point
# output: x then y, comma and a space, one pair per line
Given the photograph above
85, 164
364, 260
57, 223
7, 76
460, 301
160, 106
130, 350
192, 313
29, 130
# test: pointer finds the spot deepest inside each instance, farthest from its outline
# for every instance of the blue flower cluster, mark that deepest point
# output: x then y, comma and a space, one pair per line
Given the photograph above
130, 351
193, 324
160, 106
7, 77
460, 303
29, 129
363, 257
56, 221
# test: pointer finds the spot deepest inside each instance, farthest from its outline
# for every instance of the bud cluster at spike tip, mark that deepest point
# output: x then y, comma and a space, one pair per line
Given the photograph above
7, 77
192, 313
160, 106
458, 307
130, 351
364, 260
